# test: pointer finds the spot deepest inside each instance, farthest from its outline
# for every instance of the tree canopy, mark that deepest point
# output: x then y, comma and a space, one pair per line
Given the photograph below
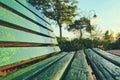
108, 36
61, 11
78, 25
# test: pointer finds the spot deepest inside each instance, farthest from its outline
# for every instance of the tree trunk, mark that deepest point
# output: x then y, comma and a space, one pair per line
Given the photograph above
91, 39
91, 35
80, 33
60, 27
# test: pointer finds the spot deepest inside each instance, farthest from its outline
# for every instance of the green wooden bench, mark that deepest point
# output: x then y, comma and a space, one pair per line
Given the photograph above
25, 35
111, 57
103, 69
79, 68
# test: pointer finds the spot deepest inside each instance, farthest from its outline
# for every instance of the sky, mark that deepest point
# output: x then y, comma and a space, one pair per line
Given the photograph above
107, 11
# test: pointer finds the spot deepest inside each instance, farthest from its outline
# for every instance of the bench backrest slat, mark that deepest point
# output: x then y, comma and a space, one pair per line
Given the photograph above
25, 34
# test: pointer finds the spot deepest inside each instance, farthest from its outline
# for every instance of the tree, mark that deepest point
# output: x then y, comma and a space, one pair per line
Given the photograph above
108, 36
78, 25
89, 29
97, 33
61, 11
118, 36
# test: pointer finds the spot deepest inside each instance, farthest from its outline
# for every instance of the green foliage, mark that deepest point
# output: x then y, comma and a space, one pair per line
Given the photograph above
78, 25
74, 45
61, 11
118, 36
77, 44
90, 28
108, 36
114, 45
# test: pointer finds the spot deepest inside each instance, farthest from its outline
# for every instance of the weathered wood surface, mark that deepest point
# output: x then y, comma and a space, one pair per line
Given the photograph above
13, 35
22, 22
26, 13
32, 9
55, 71
104, 69
25, 35
79, 68
111, 57
15, 54
73, 66
28, 71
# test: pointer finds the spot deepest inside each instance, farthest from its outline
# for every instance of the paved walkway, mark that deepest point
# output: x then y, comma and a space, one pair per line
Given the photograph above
114, 51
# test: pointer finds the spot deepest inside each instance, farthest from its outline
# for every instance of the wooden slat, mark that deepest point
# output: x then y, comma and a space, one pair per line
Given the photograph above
12, 55
111, 57
28, 6
28, 71
24, 44
79, 68
15, 6
109, 70
8, 16
13, 35
55, 71
97, 71
25, 35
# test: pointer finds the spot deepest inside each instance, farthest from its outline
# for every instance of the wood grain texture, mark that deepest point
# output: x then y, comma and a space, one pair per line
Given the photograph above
10, 17
79, 68
25, 35
55, 71
104, 69
111, 57
21, 10
25, 72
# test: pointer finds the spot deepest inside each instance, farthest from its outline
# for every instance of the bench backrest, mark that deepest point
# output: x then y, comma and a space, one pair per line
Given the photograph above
25, 33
